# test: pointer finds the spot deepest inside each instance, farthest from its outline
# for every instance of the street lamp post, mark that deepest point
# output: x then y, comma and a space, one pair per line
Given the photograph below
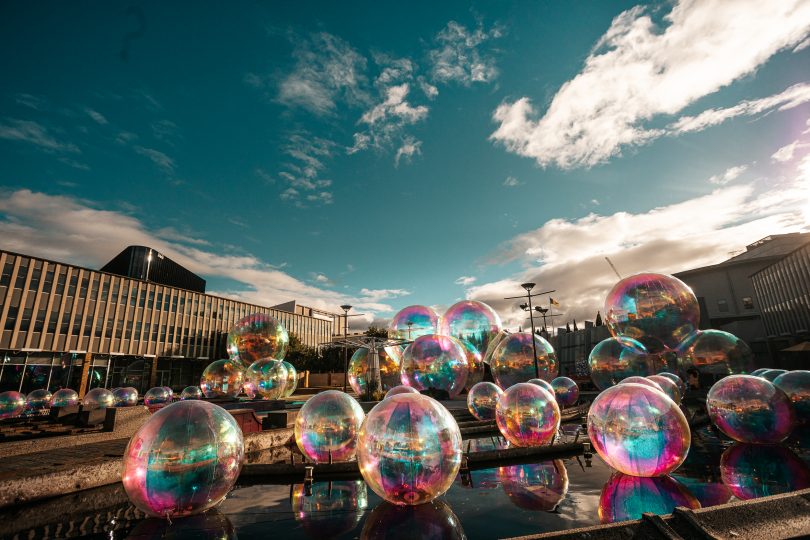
528, 307
345, 308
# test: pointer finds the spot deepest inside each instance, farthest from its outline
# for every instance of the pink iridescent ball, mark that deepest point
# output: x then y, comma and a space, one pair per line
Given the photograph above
434, 362
513, 360
401, 389
796, 385
667, 386
12, 403
566, 391
326, 427
409, 449
527, 415
756, 470
482, 400
475, 364
638, 430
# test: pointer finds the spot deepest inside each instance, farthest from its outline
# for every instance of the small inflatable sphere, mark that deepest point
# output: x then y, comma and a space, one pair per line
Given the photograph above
326, 427
258, 336
536, 486
183, 460
169, 391
65, 397
409, 449
614, 359
222, 378
98, 398
125, 397
401, 389
191, 392
638, 430
513, 359
676, 379
435, 362
716, 352
361, 374
12, 404
796, 385
471, 321
266, 378
156, 396
772, 374
482, 400
292, 379
527, 415
38, 400
667, 386
542, 384
752, 471
625, 497
566, 391
750, 409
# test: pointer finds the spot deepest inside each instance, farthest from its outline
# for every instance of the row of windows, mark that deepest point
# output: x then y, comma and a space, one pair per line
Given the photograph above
783, 290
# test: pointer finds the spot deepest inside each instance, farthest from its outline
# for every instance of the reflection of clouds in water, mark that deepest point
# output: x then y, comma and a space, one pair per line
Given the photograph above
253, 504
580, 507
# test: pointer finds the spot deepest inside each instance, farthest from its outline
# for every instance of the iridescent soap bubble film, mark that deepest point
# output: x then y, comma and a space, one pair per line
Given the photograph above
66, 397
292, 379
409, 449
656, 310
266, 378
638, 430
542, 384
125, 397
401, 389
434, 362
754, 470
676, 379
98, 398
169, 391
191, 392
326, 427
258, 336
644, 381
12, 404
527, 415
331, 509
717, 353
471, 321
614, 359
668, 386
625, 497
410, 323
222, 378
434, 520
475, 364
38, 400
513, 359
482, 400
493, 343
796, 385
183, 460
566, 391
772, 374
360, 373
535, 486
156, 396
750, 409
759, 372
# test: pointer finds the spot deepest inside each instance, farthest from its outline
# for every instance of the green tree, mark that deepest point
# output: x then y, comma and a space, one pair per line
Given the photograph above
376, 331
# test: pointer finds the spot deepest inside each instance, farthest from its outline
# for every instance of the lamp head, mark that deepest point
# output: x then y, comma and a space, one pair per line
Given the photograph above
527, 286
346, 307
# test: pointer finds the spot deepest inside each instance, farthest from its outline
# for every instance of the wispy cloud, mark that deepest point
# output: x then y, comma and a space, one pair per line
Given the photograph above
728, 175
34, 133
97, 117
511, 181
457, 56
410, 147
164, 130
787, 152
157, 157
465, 280
302, 173
31, 101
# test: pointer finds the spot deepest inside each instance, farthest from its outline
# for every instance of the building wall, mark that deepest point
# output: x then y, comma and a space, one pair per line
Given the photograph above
783, 291
573, 349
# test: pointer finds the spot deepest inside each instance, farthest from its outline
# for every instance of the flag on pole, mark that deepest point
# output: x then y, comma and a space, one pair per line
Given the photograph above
553, 302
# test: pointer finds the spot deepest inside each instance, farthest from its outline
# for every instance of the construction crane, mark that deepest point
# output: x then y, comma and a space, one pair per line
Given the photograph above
613, 268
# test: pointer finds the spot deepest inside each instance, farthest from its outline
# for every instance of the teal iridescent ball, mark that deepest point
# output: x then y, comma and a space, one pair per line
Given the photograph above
326, 427
125, 397
156, 396
65, 397
434, 362
191, 392
527, 415
408, 324
38, 400
772, 374
796, 385
625, 497
292, 379
755, 470
266, 378
12, 404
566, 391
750, 409
716, 353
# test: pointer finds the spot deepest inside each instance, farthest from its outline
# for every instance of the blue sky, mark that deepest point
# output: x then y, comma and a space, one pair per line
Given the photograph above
385, 155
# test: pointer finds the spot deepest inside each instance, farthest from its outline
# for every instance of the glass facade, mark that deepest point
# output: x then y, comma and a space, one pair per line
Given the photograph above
783, 293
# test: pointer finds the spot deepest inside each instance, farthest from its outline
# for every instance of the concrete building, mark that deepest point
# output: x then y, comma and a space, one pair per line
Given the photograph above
63, 325
573, 349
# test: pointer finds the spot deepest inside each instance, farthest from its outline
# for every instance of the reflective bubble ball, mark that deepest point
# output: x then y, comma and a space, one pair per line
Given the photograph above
716, 352
753, 471
759, 372
493, 343
644, 381
542, 384
566, 391
656, 310
38, 400
191, 392
222, 378
676, 379
410, 323
292, 379
471, 321
772, 374
98, 398
156, 396
258, 336
638, 430
435, 362
535, 486
11, 404
667, 386
409, 449
475, 364
331, 508
183, 460
65, 397
614, 359
361, 374
750, 409
625, 497
482, 400
401, 389
513, 359
796, 385
125, 397
326, 427
527, 415
266, 378
434, 520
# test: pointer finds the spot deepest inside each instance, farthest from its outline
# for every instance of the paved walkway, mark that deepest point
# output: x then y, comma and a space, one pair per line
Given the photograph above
57, 459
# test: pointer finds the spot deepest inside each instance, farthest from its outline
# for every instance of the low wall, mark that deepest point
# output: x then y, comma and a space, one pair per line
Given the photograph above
325, 379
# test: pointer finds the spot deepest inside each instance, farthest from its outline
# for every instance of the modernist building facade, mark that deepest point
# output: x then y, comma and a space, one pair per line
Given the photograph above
783, 292
63, 325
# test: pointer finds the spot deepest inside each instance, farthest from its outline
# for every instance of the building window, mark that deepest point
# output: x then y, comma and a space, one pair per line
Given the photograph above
12, 317
748, 302
26, 319
34, 283
60, 283
5, 277
21, 274
722, 306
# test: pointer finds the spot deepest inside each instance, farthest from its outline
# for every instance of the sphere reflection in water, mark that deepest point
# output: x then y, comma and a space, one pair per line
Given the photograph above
292, 379
401, 389
66, 397
435, 362
266, 378
527, 415
12, 404
471, 321
707, 493
715, 352
156, 396
752, 471
332, 509
638, 430
667, 386
542, 384
772, 374
750, 409
98, 398
434, 520
657, 310
222, 378
409, 449
125, 397
326, 427
796, 385
191, 392
614, 359
183, 460
537, 486
38, 400
210, 525
360, 371
676, 379
410, 323
566, 391
626, 497
483, 399
258, 336
512, 361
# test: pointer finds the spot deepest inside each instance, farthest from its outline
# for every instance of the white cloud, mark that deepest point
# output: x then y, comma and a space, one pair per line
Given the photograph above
428, 89
302, 174
511, 181
361, 142
376, 295
640, 70
409, 148
164, 130
457, 56
802, 46
157, 157
34, 133
396, 106
728, 175
465, 280
96, 116
786, 152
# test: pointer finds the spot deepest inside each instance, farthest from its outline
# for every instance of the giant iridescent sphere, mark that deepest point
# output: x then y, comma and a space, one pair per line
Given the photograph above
326, 427
258, 336
493, 343
38, 400
125, 397
471, 321
361, 374
156, 396
98, 398
715, 352
401, 389
616, 358
625, 497
66, 397
513, 359
566, 391
535, 486
772, 374
475, 364
638, 430
329, 509
435, 362
409, 449
434, 520
527, 415
183, 460
222, 378
191, 392
750, 409
676, 379
410, 323
668, 386
12, 404
292, 379
657, 310
753, 470
796, 385
482, 400
267, 378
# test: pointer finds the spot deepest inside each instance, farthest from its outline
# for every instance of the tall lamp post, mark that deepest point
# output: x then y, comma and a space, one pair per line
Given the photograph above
346, 308
528, 307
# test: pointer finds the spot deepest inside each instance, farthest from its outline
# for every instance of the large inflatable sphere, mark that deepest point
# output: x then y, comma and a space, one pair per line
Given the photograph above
435, 362
222, 378
326, 427
258, 336
513, 360
471, 321
527, 415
